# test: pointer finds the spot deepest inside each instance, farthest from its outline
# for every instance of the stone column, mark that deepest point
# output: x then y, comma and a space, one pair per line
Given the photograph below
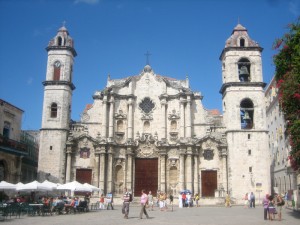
109, 169
102, 169
224, 180
196, 174
188, 123
181, 169
97, 169
129, 169
111, 118
163, 171
163, 121
104, 118
189, 169
181, 132
69, 161
130, 121
19, 168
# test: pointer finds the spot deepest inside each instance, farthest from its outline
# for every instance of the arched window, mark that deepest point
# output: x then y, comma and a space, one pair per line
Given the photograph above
246, 112
244, 70
242, 42
53, 113
56, 73
59, 41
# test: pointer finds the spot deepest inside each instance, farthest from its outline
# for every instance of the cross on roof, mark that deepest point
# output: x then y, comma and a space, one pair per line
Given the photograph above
147, 57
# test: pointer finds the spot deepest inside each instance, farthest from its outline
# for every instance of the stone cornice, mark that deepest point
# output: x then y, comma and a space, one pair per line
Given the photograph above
55, 48
241, 84
59, 82
256, 48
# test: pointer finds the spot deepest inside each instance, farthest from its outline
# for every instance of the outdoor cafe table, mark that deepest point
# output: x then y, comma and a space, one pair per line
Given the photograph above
36, 208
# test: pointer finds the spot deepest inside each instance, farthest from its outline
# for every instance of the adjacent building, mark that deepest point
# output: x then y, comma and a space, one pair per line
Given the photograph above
18, 149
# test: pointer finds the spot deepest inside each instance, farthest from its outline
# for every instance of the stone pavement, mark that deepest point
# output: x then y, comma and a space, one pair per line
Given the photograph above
205, 215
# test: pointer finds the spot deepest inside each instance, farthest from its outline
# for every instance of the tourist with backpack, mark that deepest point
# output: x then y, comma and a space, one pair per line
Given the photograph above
127, 198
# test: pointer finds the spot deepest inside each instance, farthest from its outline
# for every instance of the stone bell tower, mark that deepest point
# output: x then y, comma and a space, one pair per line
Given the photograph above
245, 115
58, 88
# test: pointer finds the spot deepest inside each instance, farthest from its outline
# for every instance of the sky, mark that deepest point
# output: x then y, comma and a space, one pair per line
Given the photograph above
184, 37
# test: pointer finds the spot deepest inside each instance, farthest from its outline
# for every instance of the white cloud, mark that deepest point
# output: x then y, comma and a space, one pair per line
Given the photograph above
294, 8
89, 2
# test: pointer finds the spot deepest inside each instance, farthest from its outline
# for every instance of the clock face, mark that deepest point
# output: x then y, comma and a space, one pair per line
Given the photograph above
57, 64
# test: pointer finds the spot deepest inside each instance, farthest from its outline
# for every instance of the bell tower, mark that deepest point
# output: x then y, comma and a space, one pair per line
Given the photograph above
58, 88
245, 115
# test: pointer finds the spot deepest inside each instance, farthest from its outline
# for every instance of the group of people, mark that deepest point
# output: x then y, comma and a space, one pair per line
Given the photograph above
273, 205
106, 201
187, 200
249, 200
146, 201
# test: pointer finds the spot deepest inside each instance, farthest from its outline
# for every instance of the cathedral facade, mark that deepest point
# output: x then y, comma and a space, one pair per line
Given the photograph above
152, 132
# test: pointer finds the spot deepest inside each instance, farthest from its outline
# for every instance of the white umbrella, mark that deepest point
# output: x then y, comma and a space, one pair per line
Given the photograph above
34, 186
94, 188
49, 184
7, 186
74, 186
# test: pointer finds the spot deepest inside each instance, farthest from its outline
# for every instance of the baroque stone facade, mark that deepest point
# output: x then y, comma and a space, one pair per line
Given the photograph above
151, 131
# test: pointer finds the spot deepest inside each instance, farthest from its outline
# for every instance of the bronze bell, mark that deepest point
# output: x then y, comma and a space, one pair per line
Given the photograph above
244, 74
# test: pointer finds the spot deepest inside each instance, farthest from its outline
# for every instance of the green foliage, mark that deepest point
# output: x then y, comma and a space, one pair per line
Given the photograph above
287, 63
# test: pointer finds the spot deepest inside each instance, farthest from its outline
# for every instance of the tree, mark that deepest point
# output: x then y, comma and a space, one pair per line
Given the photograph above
287, 75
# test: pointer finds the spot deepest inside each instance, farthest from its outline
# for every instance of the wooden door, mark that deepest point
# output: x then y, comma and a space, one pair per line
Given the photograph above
146, 175
208, 183
84, 176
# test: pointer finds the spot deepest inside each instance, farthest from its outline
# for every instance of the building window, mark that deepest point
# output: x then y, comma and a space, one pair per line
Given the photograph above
249, 151
242, 42
51, 147
250, 169
246, 112
6, 129
244, 69
53, 113
59, 41
147, 105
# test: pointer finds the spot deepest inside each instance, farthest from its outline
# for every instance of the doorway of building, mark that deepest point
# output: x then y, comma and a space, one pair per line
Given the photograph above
208, 183
84, 176
146, 176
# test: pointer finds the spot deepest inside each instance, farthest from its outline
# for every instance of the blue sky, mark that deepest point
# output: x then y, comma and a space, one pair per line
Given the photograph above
185, 37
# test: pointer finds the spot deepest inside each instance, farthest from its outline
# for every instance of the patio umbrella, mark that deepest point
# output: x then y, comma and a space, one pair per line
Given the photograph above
185, 191
7, 186
94, 188
34, 186
74, 186
49, 184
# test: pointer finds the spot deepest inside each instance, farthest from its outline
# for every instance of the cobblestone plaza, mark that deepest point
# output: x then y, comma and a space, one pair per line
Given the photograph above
235, 215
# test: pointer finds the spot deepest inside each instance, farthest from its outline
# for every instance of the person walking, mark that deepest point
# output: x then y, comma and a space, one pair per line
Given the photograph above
246, 204
266, 206
197, 200
150, 200
144, 202
127, 198
280, 202
252, 200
